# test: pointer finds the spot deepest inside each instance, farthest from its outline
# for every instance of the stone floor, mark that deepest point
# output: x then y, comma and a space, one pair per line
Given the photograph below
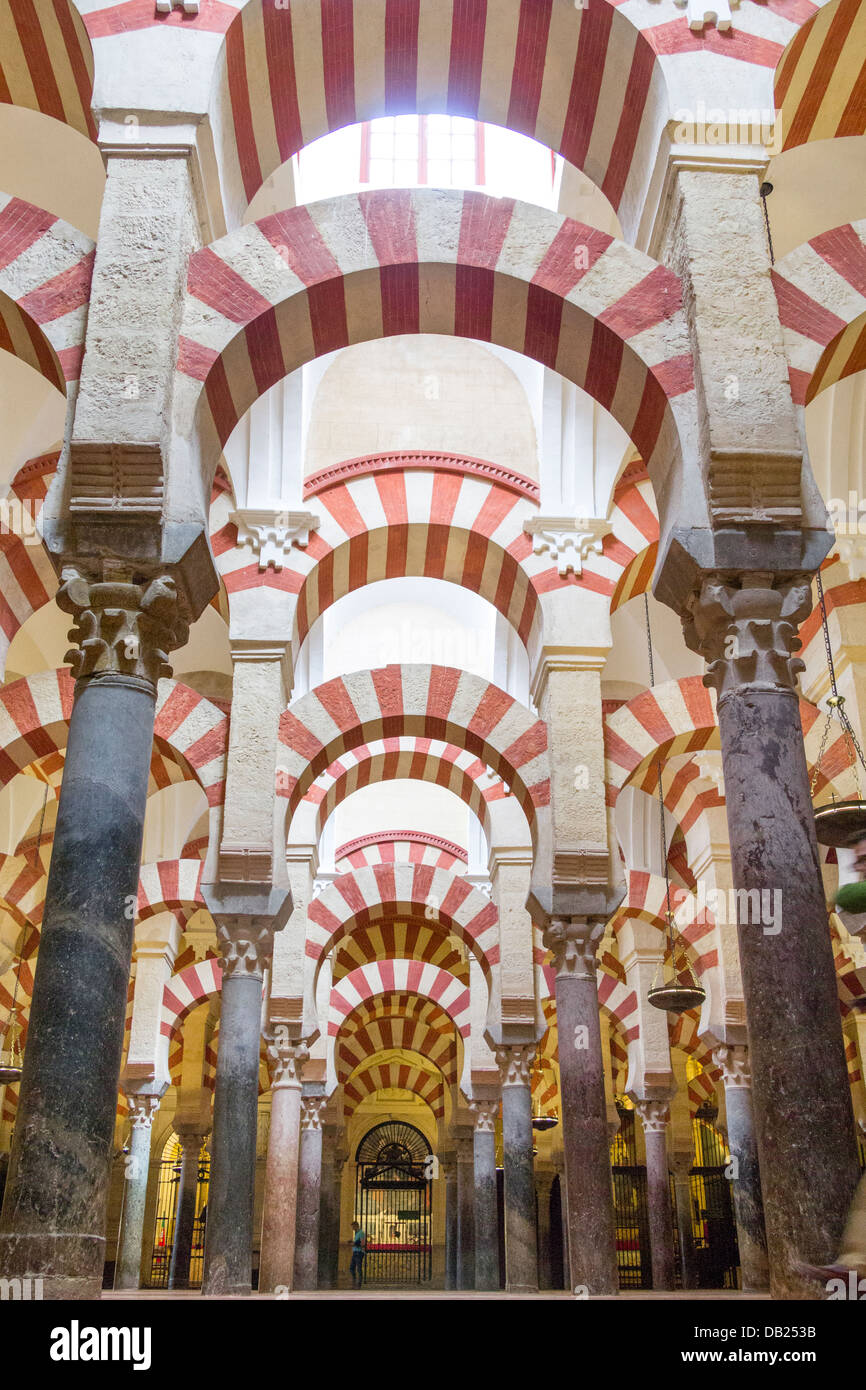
631, 1295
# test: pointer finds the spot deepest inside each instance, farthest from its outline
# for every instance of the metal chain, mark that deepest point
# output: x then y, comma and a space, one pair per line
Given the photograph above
663, 836
836, 702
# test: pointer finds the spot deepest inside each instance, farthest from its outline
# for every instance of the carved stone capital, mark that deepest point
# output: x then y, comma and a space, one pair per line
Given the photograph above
122, 629
734, 1065
246, 946
246, 917
286, 1060
272, 534
654, 1115
515, 1063
573, 945
142, 1109
311, 1111
485, 1112
746, 630
568, 540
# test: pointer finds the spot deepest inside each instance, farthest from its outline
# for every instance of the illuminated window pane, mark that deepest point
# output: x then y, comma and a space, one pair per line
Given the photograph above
439, 172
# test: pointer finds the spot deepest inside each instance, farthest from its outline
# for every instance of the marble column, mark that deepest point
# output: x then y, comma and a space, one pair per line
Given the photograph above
746, 1177
521, 1244
184, 1220
486, 1221
543, 1185
333, 1158
682, 1166
655, 1115
448, 1166
54, 1209
465, 1211
277, 1261
309, 1192
142, 1107
591, 1249
746, 629
246, 916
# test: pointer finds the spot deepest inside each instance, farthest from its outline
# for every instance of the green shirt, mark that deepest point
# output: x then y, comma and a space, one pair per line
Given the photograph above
358, 1241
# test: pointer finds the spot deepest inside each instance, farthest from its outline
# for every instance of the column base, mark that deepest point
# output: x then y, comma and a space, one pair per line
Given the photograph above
40, 1261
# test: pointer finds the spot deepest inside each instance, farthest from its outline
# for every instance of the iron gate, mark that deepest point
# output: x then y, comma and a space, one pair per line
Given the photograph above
631, 1212
168, 1182
393, 1204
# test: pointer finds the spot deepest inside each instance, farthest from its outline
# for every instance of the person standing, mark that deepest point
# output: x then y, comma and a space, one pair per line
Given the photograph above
359, 1253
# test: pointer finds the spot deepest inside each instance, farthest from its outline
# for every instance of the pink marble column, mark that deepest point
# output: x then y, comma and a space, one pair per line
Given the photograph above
655, 1115
277, 1262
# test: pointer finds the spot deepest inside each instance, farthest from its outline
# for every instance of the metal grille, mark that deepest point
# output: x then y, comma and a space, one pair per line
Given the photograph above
168, 1182
631, 1212
393, 1204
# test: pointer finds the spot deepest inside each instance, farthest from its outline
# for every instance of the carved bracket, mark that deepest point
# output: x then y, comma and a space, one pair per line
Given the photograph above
568, 540
271, 534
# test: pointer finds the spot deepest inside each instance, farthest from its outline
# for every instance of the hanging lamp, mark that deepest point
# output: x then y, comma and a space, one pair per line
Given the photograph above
838, 823
540, 1120
674, 987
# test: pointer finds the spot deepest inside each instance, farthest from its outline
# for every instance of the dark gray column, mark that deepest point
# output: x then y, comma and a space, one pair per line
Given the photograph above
448, 1165
333, 1158
591, 1249
521, 1244
746, 1175
184, 1221
543, 1185
246, 915
486, 1225
682, 1165
747, 631
655, 1115
54, 1209
465, 1210
309, 1192
277, 1260
143, 1108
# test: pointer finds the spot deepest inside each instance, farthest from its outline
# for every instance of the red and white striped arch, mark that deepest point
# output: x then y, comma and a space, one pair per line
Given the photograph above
438, 897
399, 940
820, 86
414, 759
672, 718
170, 885
400, 846
411, 976
395, 1074
185, 991
821, 291
646, 901
34, 722
424, 702
46, 61
280, 292
392, 1006
459, 528
583, 81
399, 1034
45, 271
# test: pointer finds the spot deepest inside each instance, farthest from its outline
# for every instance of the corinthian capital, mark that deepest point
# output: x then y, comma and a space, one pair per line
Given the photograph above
654, 1115
573, 944
122, 629
142, 1109
246, 946
734, 1065
485, 1112
746, 630
515, 1064
311, 1111
286, 1061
